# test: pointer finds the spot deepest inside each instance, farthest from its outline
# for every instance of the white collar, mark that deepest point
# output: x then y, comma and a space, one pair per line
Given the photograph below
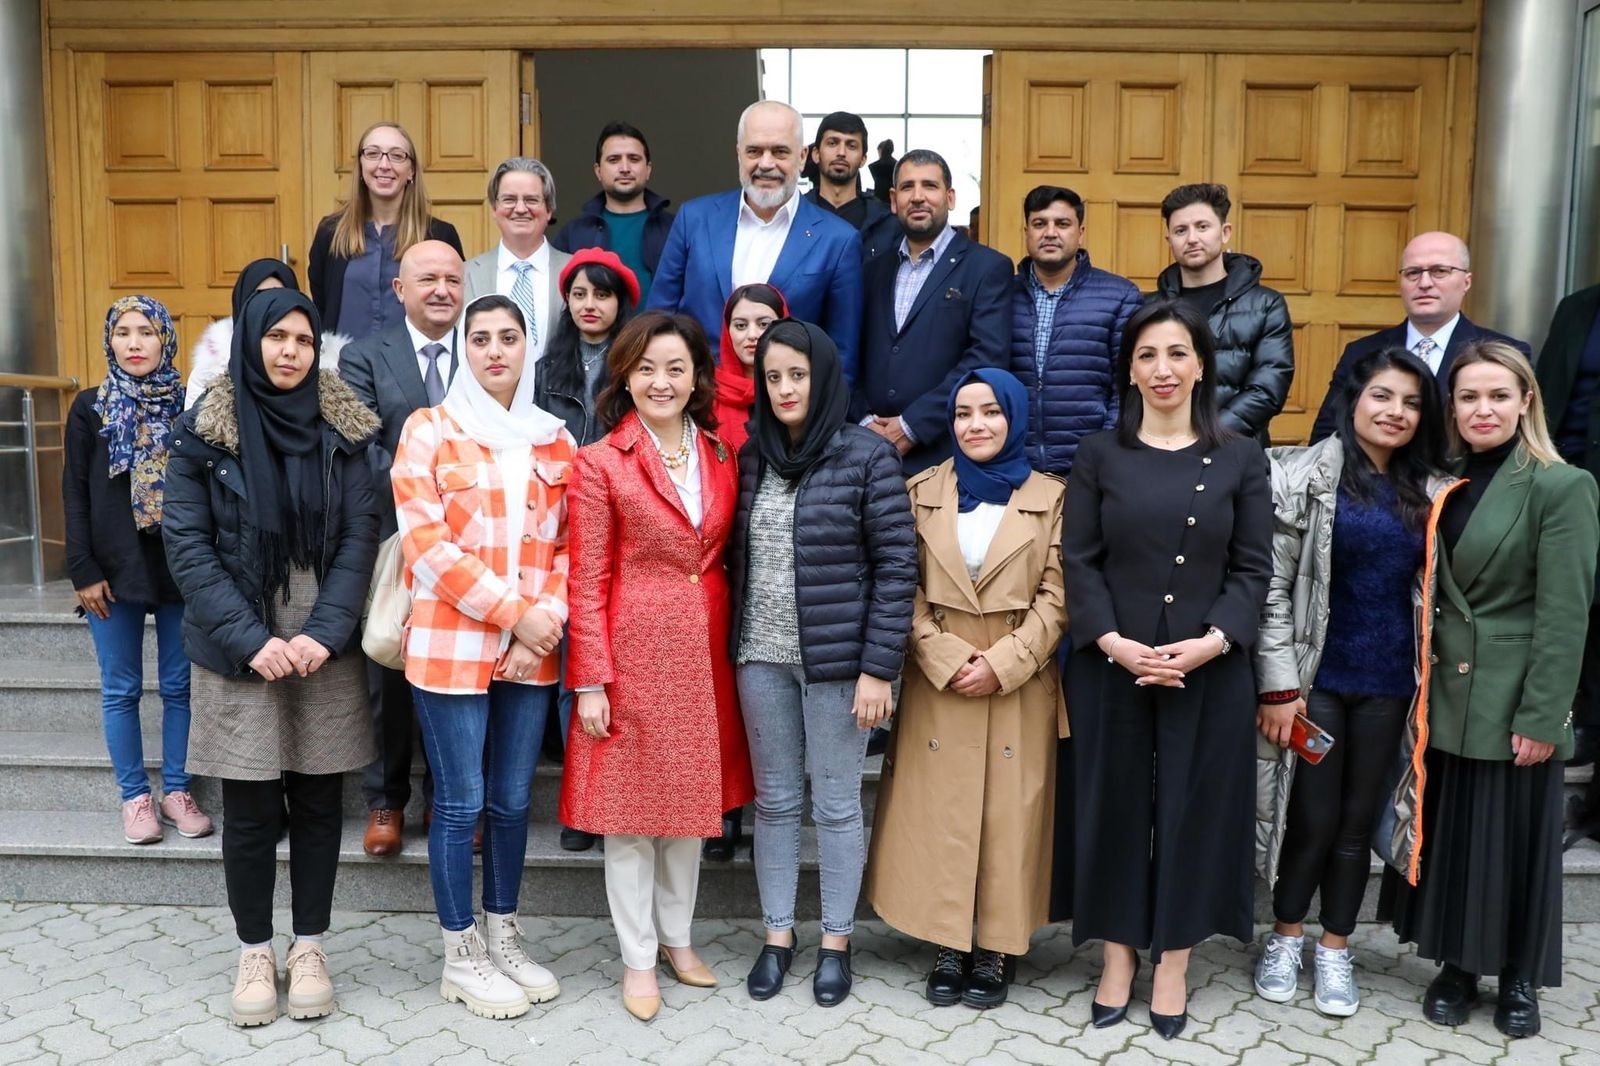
785, 214
540, 259
1440, 336
419, 339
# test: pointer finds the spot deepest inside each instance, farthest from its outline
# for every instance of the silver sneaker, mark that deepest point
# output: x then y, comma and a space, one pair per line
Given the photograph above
1278, 972
1336, 993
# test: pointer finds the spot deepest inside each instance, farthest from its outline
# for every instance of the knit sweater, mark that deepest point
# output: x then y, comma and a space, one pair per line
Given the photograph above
1371, 632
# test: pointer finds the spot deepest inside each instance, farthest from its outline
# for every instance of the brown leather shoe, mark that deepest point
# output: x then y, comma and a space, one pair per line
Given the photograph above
477, 830
384, 826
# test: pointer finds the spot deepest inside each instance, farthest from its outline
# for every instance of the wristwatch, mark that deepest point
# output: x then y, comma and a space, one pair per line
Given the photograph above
1227, 644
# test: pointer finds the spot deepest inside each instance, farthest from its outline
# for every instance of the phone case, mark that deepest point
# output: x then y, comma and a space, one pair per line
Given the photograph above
1309, 740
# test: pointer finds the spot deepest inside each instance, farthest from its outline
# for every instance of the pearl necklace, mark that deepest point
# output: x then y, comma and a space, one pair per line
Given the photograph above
681, 456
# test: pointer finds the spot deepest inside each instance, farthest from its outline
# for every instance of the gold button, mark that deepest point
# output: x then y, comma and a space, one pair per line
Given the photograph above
1179, 560
1462, 668
1191, 520
1199, 488
694, 579
933, 745
1007, 753
1167, 597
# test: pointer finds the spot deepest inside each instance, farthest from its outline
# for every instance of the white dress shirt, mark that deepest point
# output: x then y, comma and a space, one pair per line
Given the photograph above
975, 530
1440, 338
689, 487
447, 363
539, 277
757, 244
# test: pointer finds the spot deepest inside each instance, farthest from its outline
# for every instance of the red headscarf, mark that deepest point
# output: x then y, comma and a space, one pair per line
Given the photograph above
736, 388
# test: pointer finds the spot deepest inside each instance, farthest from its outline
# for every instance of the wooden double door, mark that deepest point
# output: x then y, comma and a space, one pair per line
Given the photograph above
190, 165
1333, 163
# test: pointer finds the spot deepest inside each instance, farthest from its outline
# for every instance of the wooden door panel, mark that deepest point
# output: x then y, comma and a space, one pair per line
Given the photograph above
459, 107
191, 169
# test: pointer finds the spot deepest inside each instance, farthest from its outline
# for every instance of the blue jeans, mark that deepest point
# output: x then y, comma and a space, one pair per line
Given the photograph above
119, 647
483, 749
789, 723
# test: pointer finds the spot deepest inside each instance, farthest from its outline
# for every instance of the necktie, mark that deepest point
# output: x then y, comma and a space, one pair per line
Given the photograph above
1424, 351
522, 292
433, 381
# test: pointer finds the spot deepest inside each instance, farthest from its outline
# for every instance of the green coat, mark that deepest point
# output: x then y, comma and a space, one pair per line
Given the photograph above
1512, 612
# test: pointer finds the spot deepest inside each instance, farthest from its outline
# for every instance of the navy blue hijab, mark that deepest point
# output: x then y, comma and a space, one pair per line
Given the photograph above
995, 480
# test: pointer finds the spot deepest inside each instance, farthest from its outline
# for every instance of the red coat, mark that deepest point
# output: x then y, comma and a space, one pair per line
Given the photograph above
649, 608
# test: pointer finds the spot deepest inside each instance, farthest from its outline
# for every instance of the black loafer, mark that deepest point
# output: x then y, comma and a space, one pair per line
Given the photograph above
721, 849
1450, 997
947, 977
576, 839
986, 982
1517, 1014
766, 976
830, 985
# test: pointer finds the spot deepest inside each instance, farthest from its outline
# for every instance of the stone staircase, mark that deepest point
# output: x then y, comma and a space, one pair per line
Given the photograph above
60, 838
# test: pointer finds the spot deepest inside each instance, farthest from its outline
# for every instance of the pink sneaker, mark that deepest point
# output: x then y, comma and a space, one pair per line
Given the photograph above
139, 824
179, 809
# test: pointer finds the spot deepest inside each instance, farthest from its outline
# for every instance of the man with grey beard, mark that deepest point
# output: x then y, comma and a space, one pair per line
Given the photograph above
765, 232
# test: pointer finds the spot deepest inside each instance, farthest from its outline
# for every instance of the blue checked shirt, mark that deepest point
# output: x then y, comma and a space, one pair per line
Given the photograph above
908, 279
1045, 304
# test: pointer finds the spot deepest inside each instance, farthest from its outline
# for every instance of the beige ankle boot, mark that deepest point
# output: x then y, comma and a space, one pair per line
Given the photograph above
255, 989
306, 973
470, 977
502, 935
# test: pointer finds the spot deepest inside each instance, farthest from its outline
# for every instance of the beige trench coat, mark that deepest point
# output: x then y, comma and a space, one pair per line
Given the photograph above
966, 807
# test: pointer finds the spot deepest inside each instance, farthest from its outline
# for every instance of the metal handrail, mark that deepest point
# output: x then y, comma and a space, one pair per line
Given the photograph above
28, 383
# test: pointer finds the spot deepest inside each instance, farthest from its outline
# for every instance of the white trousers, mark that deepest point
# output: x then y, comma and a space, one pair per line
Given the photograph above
651, 883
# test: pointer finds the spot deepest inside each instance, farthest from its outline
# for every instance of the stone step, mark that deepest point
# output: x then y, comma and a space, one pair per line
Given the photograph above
71, 771
64, 696
45, 627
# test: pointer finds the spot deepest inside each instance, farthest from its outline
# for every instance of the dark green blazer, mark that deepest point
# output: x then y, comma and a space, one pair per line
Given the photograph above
1512, 612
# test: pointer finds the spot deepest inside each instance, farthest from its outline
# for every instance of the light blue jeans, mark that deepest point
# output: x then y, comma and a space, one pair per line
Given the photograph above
119, 647
788, 723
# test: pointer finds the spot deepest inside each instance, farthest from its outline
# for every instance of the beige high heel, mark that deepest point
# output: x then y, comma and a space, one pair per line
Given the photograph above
698, 977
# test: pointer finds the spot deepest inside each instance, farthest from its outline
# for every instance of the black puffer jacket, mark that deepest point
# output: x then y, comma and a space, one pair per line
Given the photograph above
1255, 345
855, 557
213, 551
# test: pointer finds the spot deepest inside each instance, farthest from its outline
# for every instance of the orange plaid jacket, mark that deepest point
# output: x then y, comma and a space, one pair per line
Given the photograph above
451, 504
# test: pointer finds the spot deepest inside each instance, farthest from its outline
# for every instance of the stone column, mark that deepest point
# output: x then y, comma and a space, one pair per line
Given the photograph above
27, 292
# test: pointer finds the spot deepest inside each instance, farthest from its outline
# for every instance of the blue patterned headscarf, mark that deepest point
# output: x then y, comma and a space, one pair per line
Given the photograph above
137, 413
994, 481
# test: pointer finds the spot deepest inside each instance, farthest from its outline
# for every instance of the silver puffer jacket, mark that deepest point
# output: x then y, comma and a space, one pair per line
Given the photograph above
1294, 626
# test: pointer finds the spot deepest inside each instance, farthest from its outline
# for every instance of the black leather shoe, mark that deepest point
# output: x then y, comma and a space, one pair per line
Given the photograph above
772, 965
946, 978
1102, 1016
721, 849
1450, 997
986, 982
1170, 1026
1517, 1014
576, 839
877, 742
830, 985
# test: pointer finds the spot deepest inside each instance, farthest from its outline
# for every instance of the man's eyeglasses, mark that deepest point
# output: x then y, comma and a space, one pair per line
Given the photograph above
510, 202
1438, 272
396, 156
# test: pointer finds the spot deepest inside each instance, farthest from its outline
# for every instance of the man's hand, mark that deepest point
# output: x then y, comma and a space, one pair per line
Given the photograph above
893, 431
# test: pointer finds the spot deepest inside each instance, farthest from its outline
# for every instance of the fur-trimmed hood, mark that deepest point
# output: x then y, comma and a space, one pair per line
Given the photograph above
209, 360
217, 419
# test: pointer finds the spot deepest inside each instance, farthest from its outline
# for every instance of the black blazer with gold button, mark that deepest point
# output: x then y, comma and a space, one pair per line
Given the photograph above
1158, 545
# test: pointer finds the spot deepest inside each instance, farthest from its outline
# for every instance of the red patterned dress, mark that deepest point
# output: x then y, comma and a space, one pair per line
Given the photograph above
648, 607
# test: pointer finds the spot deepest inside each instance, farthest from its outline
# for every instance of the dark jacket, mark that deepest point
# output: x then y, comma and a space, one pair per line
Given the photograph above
382, 371
1465, 333
1077, 394
855, 558
589, 229
1557, 368
560, 387
960, 321
102, 542
1255, 345
880, 230
326, 270
214, 552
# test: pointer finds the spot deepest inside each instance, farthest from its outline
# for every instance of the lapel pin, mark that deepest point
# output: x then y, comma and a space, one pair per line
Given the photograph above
808, 233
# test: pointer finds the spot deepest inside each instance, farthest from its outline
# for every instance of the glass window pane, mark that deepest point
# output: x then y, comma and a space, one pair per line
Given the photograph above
849, 79
775, 74
947, 81
882, 128
960, 141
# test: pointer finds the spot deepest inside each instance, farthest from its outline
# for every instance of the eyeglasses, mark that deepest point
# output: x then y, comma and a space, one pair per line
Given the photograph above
396, 156
510, 202
1438, 272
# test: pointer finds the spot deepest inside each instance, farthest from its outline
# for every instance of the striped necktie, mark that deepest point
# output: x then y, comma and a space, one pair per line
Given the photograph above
1424, 351
522, 293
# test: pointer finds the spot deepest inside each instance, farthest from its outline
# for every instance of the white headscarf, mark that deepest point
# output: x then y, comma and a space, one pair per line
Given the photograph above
523, 425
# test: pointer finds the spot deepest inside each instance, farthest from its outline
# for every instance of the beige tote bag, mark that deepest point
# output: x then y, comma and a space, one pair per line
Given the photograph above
388, 608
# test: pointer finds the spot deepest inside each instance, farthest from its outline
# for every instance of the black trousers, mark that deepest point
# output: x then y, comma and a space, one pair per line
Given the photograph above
1333, 806
252, 821
386, 784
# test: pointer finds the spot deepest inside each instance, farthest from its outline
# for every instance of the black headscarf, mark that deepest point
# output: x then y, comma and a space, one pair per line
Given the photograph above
254, 273
280, 442
826, 412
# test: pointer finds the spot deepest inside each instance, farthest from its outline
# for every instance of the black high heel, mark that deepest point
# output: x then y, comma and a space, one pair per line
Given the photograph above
1170, 1026
1102, 1016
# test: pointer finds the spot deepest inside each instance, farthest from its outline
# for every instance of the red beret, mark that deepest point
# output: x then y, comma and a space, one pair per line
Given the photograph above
600, 257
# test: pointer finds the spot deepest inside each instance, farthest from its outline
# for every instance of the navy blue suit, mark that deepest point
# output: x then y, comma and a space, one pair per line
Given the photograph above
818, 271
1466, 331
960, 321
